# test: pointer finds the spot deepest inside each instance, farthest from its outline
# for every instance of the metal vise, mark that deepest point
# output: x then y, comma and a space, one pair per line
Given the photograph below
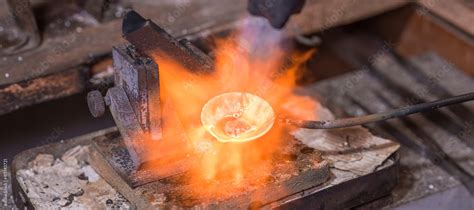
134, 101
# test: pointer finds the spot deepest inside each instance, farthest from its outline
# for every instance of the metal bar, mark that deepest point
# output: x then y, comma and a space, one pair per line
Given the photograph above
433, 87
442, 120
363, 47
434, 152
347, 122
152, 41
427, 147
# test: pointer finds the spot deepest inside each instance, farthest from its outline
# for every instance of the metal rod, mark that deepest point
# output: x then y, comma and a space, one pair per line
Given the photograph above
353, 121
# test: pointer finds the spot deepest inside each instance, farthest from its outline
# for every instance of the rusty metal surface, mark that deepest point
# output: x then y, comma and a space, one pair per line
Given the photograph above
15, 96
193, 20
114, 152
154, 42
60, 53
82, 45
134, 102
113, 148
139, 78
126, 122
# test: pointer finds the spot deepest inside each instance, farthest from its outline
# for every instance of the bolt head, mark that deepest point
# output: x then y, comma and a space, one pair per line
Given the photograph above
96, 103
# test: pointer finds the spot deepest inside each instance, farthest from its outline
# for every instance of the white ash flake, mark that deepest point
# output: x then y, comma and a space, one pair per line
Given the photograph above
68, 182
352, 149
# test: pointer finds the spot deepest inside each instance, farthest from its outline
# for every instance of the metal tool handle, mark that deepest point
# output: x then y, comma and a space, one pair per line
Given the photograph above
353, 121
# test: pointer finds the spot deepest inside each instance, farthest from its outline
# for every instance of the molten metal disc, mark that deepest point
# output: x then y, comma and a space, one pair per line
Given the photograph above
237, 117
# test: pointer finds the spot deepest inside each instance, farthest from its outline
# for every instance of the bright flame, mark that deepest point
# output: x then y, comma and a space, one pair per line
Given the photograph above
253, 61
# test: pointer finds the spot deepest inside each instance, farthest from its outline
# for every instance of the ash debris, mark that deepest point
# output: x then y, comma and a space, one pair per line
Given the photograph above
68, 182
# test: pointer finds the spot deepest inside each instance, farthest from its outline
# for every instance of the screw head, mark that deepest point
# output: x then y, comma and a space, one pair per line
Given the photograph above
96, 103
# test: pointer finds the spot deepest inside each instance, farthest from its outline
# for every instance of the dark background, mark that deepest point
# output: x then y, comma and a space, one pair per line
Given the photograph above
47, 123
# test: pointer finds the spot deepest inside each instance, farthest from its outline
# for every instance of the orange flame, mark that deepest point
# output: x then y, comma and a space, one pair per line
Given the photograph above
245, 62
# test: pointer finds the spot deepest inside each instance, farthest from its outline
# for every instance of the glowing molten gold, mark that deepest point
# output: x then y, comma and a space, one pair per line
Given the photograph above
237, 117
